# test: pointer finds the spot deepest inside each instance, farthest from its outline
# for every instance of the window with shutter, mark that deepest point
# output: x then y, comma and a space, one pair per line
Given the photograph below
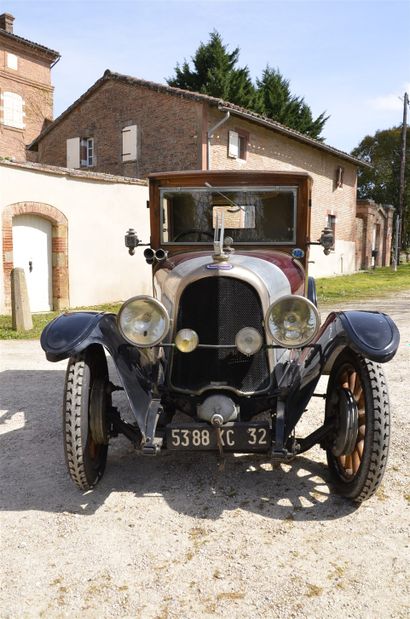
233, 144
339, 177
129, 143
13, 110
331, 223
73, 153
238, 144
87, 152
11, 61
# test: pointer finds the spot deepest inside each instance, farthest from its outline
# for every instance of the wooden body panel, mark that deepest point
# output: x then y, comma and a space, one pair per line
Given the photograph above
221, 178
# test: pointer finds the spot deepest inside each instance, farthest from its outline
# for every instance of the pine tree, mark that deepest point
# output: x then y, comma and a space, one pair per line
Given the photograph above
215, 72
276, 101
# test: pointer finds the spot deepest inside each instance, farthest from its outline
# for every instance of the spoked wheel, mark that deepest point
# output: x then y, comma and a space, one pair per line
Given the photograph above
357, 400
86, 401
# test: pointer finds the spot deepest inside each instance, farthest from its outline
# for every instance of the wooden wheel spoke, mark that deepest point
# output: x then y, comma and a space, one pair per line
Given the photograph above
352, 381
356, 459
349, 465
358, 393
344, 380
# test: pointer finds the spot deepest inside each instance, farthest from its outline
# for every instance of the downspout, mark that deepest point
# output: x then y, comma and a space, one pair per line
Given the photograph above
211, 134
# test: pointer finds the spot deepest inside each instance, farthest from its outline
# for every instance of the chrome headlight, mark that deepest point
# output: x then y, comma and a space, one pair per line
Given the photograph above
293, 321
248, 341
143, 321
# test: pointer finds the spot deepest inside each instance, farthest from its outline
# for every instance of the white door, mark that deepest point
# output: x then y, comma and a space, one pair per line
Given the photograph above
32, 252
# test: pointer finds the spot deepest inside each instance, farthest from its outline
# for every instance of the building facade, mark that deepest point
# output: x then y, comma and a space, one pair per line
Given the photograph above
131, 127
26, 93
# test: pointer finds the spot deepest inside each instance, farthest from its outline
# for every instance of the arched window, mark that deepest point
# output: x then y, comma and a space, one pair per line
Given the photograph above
13, 110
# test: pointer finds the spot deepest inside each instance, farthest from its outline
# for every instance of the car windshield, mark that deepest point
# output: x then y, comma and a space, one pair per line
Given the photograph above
251, 214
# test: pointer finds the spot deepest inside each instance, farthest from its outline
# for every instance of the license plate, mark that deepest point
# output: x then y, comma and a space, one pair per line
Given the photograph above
239, 437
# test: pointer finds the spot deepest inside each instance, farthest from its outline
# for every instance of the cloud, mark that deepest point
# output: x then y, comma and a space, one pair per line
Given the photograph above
391, 102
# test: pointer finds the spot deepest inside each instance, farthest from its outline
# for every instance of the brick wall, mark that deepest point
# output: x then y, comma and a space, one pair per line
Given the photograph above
268, 150
32, 82
169, 130
377, 232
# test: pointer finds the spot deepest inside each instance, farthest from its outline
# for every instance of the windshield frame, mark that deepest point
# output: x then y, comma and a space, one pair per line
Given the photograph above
223, 190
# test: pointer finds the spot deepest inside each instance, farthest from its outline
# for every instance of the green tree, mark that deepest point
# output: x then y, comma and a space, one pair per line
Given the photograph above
381, 183
214, 72
276, 101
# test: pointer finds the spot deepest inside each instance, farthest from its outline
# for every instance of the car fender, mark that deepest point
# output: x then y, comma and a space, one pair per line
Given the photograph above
372, 335
72, 332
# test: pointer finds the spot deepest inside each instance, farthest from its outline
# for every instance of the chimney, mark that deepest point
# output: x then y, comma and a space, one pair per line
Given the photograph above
6, 22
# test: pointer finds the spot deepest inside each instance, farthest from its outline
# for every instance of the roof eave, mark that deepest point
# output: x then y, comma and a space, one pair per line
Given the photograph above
45, 51
290, 133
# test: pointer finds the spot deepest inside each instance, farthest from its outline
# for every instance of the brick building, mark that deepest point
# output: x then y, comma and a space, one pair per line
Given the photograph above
131, 127
26, 93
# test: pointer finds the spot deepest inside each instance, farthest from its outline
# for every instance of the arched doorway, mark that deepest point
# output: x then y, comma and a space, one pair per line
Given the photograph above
32, 252
37, 233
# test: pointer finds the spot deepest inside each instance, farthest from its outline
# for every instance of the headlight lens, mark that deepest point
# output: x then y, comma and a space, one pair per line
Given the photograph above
248, 341
293, 321
186, 340
143, 321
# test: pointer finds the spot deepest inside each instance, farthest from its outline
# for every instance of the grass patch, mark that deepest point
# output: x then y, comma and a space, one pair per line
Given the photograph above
377, 283
41, 320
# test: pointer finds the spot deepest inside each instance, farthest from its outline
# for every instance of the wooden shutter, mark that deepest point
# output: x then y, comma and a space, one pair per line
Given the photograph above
233, 144
13, 110
73, 153
129, 143
11, 61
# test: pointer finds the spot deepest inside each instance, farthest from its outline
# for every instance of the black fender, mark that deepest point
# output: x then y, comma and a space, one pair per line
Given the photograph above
311, 290
72, 332
372, 335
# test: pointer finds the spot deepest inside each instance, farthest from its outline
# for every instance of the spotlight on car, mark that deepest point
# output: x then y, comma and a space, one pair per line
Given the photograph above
186, 340
292, 321
143, 321
248, 341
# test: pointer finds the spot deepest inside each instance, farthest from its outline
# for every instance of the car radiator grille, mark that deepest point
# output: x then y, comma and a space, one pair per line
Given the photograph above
217, 308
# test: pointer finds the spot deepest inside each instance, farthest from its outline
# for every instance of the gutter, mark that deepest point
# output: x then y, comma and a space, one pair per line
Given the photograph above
211, 135
53, 64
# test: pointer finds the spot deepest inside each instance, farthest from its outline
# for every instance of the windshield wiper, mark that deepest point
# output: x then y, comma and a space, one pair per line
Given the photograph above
237, 206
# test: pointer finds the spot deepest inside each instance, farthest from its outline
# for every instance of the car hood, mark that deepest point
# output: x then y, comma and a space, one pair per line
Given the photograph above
273, 273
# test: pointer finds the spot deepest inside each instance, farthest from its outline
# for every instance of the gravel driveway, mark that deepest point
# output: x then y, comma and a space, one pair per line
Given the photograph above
175, 536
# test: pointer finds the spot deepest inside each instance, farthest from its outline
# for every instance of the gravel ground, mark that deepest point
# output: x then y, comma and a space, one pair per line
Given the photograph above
175, 536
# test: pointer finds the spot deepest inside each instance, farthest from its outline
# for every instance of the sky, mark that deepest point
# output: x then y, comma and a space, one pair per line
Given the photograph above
348, 58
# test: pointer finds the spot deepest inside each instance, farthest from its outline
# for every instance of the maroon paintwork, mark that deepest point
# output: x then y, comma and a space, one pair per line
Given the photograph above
288, 265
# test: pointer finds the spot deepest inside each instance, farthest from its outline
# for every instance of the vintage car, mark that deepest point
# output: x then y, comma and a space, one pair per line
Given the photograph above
227, 352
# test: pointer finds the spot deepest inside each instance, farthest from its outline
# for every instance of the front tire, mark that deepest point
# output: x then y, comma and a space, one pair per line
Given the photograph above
84, 417
358, 471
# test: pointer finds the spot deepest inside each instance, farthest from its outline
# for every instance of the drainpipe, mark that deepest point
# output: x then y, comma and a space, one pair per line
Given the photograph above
211, 134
